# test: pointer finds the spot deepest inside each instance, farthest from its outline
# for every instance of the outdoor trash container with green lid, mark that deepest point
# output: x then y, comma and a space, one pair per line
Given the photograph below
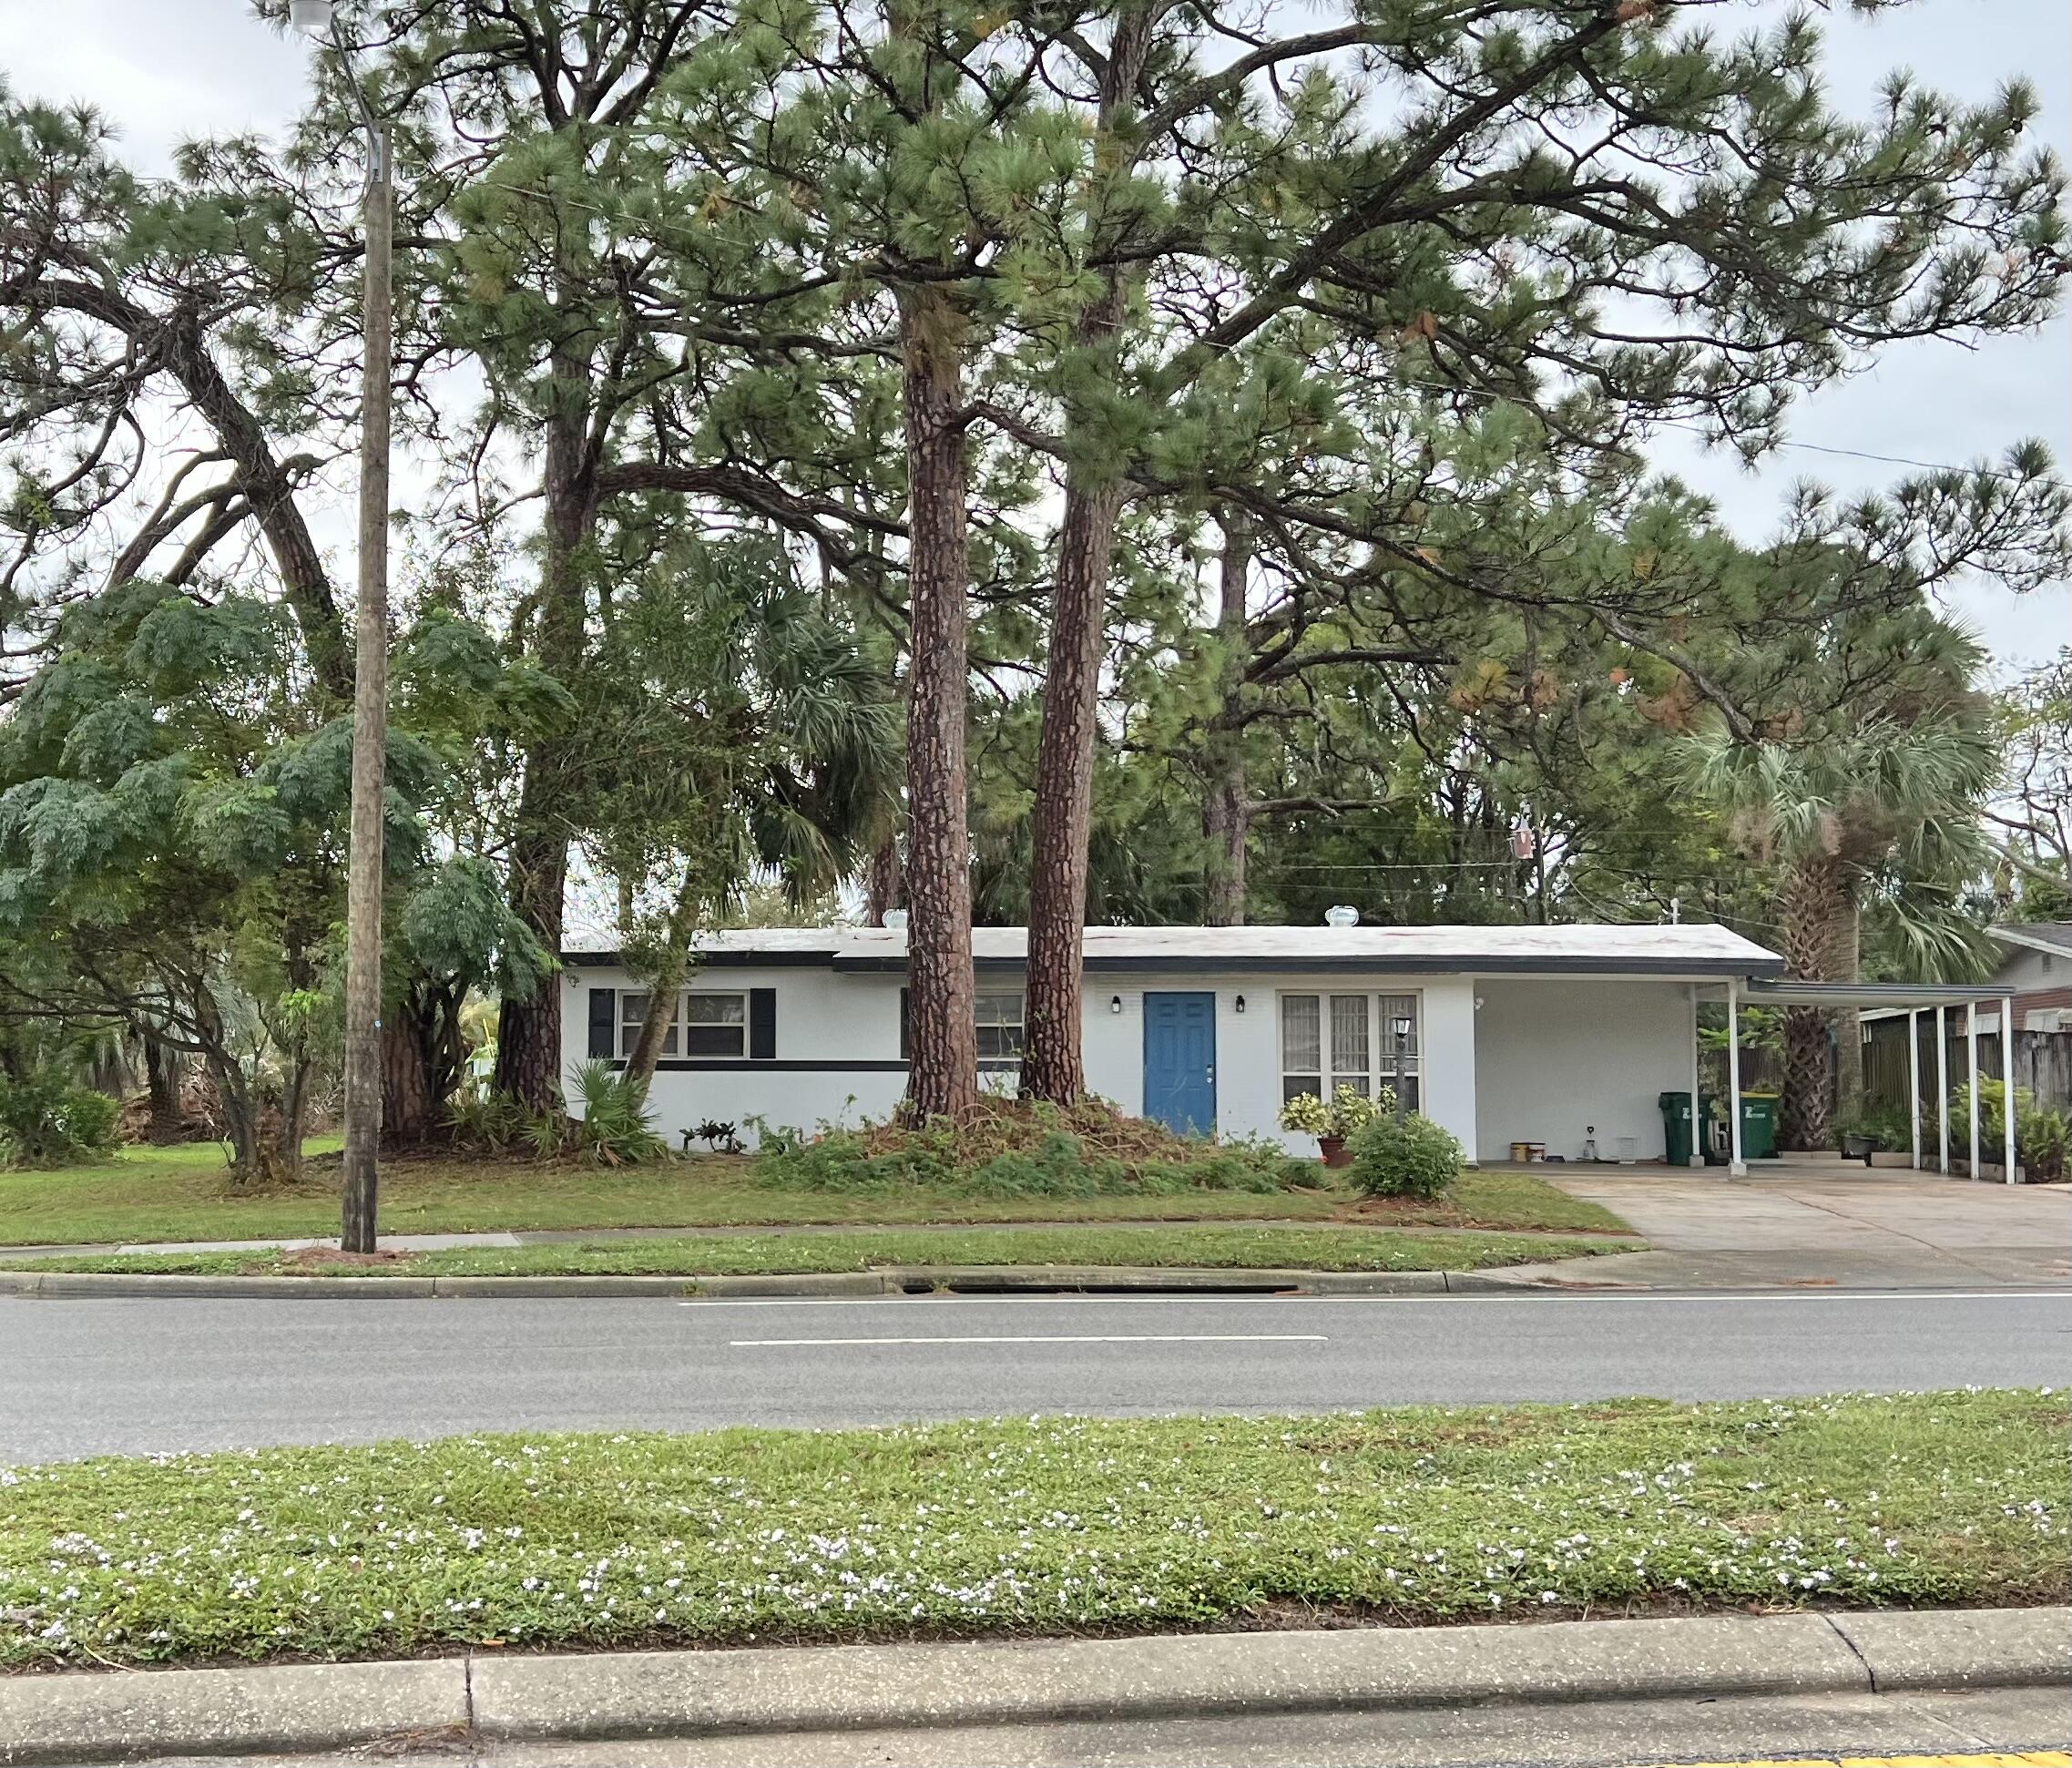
1759, 1125
1676, 1127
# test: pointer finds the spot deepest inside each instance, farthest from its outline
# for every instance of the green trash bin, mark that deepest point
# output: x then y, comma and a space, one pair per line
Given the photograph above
1759, 1125
1676, 1127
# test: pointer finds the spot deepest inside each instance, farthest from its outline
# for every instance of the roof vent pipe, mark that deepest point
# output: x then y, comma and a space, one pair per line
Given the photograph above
1342, 914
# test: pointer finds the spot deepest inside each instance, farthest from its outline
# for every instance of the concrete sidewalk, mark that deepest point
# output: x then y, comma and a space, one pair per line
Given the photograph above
928, 1689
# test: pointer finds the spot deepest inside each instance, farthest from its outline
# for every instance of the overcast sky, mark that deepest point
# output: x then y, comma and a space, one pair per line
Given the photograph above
162, 70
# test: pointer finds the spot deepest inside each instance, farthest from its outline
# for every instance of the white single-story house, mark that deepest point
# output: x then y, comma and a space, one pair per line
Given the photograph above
1561, 1036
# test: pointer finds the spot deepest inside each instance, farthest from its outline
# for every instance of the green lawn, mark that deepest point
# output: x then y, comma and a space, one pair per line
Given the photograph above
1309, 1249
183, 1194
1035, 1526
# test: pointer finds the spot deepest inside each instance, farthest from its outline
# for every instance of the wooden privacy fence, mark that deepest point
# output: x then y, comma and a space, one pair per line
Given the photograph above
2043, 1064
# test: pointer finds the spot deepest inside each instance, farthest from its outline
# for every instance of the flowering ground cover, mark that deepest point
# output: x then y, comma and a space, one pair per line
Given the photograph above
1035, 1526
1221, 1248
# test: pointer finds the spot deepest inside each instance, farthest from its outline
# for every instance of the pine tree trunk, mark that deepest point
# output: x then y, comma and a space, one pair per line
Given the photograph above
529, 1030
884, 884
942, 1076
1226, 815
1810, 899
168, 1122
1053, 1066
409, 1109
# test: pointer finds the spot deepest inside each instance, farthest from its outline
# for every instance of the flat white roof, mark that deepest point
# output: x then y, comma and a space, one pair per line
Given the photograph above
1685, 950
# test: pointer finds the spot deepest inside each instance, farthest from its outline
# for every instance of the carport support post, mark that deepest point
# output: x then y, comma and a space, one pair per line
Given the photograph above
1943, 1090
1697, 1150
1737, 1168
2007, 1077
1971, 1057
1914, 1080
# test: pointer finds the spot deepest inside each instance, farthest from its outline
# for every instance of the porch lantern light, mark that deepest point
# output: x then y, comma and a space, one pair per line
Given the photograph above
1115, 1003
1402, 1029
1240, 1003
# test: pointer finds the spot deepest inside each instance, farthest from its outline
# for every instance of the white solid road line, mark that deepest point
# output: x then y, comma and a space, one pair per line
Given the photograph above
1061, 1338
1070, 1298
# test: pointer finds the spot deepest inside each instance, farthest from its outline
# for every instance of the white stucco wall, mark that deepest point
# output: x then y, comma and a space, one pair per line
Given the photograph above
1554, 1055
844, 1019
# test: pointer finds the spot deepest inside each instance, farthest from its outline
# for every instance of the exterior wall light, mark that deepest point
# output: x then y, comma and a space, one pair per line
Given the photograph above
1240, 1003
1115, 1003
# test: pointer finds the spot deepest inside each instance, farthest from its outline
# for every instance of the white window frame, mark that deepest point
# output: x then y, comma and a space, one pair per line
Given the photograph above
633, 1014
739, 1024
1378, 1070
1018, 1025
676, 1038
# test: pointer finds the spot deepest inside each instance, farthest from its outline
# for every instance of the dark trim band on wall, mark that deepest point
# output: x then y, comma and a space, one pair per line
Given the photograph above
733, 1065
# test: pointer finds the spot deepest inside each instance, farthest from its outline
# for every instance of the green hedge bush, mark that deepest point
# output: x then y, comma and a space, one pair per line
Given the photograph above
1407, 1156
47, 1121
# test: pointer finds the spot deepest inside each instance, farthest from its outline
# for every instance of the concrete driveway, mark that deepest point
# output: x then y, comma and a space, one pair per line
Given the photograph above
1827, 1223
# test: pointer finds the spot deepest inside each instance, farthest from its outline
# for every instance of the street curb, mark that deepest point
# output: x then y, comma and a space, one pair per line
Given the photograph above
886, 1280
79, 1717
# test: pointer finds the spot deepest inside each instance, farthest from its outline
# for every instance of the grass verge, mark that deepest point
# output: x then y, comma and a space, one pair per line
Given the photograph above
183, 1194
1031, 1525
1303, 1249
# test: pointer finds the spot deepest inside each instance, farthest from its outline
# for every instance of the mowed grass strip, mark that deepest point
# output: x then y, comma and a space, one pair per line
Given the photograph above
183, 1194
1034, 1526
1298, 1249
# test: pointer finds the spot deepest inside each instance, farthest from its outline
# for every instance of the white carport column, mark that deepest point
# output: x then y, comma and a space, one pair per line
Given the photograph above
1697, 1148
1737, 1168
1971, 1059
1942, 1089
1914, 1080
2007, 1077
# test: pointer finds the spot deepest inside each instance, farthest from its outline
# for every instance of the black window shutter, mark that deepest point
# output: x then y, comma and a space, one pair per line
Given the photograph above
603, 1021
905, 1029
762, 1023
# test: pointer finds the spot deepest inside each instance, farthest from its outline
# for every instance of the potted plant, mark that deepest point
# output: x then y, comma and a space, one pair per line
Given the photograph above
1332, 1124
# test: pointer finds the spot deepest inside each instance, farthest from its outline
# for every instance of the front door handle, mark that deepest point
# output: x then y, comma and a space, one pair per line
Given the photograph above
1211, 1071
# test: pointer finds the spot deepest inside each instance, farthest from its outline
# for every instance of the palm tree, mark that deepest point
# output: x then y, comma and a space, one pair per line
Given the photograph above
1885, 812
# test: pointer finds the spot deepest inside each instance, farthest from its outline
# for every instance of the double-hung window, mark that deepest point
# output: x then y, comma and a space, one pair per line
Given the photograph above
1000, 1027
715, 1023
704, 1023
633, 1014
1334, 1040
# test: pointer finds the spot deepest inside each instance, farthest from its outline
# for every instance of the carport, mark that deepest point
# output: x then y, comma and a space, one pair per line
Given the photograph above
1912, 998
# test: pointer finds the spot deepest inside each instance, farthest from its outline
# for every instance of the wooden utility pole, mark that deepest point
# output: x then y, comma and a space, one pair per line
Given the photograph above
370, 723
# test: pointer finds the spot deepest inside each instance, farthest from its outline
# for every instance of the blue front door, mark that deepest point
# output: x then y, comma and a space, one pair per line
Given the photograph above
1180, 1061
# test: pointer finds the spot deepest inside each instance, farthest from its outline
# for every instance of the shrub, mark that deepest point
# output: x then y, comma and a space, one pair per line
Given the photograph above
2041, 1136
1408, 1156
47, 1121
1024, 1148
492, 1123
615, 1129
1345, 1116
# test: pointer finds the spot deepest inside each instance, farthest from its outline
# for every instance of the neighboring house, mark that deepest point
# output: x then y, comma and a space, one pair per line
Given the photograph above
1557, 1035
2037, 968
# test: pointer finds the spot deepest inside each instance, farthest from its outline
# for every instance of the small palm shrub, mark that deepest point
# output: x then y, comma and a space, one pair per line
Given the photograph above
47, 1121
1404, 1157
615, 1129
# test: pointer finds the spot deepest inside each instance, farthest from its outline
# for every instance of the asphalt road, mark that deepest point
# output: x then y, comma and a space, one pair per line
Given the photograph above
84, 1377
